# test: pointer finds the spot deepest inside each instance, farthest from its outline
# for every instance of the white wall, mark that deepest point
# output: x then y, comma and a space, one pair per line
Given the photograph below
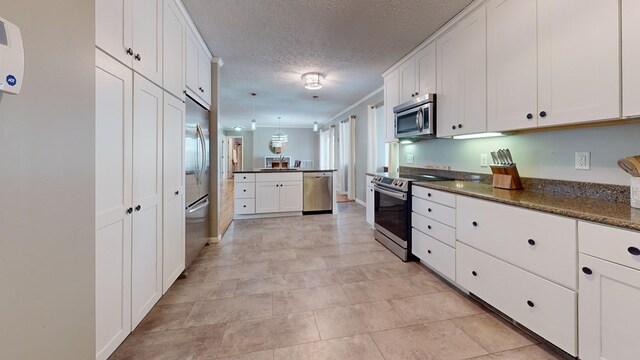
549, 154
47, 186
304, 144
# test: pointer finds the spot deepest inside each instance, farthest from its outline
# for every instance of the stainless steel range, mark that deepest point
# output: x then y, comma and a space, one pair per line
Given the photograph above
393, 211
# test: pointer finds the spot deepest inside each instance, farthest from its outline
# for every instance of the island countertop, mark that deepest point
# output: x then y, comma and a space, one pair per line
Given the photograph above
276, 170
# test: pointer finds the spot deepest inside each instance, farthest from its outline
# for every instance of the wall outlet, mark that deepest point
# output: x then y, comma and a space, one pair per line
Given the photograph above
409, 159
484, 160
583, 160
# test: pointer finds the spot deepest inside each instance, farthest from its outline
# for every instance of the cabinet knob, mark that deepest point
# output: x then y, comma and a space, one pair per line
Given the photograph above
459, 126
244, 206
129, 51
634, 251
428, 194
138, 208
543, 114
429, 209
412, 95
531, 242
429, 227
129, 210
417, 93
428, 251
530, 303
138, 57
453, 127
245, 190
177, 192
475, 224
529, 116
474, 273
587, 271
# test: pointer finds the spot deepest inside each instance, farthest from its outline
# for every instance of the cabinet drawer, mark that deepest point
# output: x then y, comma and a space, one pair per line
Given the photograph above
434, 253
612, 244
244, 206
541, 243
244, 190
542, 306
280, 176
437, 212
436, 230
244, 177
437, 196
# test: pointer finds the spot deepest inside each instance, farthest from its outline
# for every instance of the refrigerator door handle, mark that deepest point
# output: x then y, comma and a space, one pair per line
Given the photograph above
199, 205
203, 156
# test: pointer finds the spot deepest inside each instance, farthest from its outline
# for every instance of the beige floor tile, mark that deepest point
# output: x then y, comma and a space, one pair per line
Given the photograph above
492, 333
534, 352
376, 290
359, 347
316, 251
262, 256
436, 341
297, 265
241, 271
386, 256
333, 276
427, 308
269, 284
427, 283
255, 335
259, 355
164, 317
192, 343
391, 269
199, 292
230, 309
345, 260
356, 319
286, 302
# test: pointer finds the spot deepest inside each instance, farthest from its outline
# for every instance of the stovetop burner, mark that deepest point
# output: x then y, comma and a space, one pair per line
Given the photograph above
402, 181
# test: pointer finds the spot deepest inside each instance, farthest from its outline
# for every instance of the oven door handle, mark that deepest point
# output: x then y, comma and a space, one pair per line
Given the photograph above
395, 194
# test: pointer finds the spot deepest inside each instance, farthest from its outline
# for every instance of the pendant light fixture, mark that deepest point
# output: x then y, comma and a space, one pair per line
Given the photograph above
315, 123
312, 80
253, 120
279, 136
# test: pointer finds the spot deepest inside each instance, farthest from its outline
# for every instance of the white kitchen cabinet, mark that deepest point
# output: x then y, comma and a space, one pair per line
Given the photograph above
114, 110
462, 77
131, 31
578, 61
173, 220
370, 202
146, 264
407, 77
198, 78
290, 196
391, 99
267, 197
278, 193
512, 65
426, 70
630, 58
174, 49
434, 253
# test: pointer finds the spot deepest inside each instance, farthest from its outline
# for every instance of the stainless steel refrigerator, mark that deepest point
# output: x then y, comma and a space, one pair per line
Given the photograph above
197, 179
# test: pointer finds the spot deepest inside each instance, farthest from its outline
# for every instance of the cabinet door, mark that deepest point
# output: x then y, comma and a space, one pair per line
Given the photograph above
391, 99
192, 60
290, 196
147, 195
426, 70
512, 65
267, 197
173, 233
204, 75
450, 79
370, 205
630, 58
608, 310
114, 21
147, 39
173, 50
113, 197
408, 86
579, 61
474, 56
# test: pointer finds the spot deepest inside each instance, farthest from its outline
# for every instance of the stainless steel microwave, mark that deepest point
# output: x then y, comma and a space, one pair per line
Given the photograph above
416, 119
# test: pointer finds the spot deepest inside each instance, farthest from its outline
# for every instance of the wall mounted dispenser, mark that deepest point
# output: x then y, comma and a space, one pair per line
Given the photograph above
11, 58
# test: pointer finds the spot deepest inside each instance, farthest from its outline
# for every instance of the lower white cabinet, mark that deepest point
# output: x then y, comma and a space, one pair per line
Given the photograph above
267, 193
290, 196
370, 204
434, 253
546, 308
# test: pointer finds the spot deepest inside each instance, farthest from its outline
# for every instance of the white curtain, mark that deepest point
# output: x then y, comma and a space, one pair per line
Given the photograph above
351, 179
344, 137
326, 149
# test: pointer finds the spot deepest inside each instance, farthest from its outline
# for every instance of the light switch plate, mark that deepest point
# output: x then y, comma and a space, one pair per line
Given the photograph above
583, 160
484, 160
409, 159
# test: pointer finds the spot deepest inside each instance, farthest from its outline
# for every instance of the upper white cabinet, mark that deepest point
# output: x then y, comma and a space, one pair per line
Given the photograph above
391, 99
408, 83
198, 71
174, 48
578, 61
462, 77
630, 58
131, 31
426, 70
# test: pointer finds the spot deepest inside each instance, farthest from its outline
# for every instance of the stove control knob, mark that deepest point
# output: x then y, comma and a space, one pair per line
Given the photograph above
400, 183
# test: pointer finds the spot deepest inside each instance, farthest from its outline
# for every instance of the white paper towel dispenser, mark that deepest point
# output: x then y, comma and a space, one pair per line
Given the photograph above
11, 58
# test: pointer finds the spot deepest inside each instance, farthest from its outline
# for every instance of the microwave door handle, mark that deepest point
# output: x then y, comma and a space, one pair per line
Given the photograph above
431, 114
420, 120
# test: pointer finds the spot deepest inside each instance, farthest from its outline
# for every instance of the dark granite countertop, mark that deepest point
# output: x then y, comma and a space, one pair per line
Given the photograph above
281, 170
582, 208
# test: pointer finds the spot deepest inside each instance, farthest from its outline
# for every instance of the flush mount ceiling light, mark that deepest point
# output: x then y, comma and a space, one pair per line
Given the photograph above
279, 136
312, 80
253, 114
237, 128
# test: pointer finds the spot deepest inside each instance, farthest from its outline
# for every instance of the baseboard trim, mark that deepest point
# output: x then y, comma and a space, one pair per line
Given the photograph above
265, 216
361, 202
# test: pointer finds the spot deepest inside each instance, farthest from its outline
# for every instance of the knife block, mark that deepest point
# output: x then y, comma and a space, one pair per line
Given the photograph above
506, 177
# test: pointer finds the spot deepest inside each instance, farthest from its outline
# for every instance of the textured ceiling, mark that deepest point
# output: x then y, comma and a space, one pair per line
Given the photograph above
267, 45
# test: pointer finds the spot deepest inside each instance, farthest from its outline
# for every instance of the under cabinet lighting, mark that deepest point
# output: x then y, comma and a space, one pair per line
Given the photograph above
478, 136
406, 142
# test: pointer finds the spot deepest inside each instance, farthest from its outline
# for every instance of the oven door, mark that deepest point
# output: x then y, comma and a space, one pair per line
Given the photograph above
392, 210
415, 121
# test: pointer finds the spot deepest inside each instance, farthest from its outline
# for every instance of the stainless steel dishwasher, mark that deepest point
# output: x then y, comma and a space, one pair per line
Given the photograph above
318, 192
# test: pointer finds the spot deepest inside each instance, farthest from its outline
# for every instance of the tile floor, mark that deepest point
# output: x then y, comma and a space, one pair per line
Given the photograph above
318, 287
